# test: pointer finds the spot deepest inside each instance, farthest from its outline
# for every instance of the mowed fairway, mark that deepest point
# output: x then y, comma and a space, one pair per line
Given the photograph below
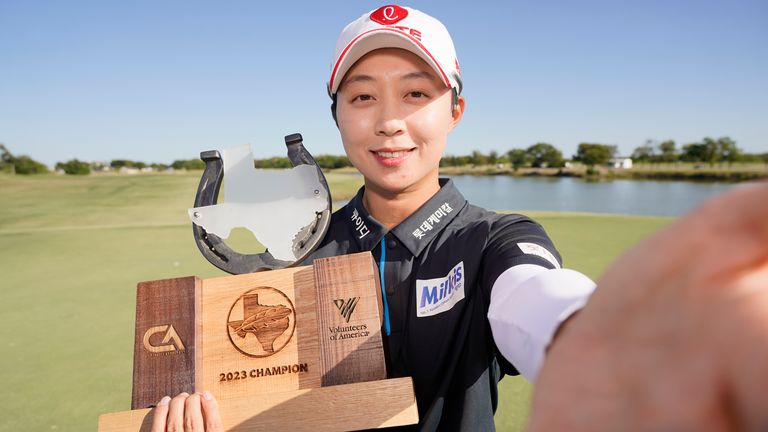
73, 248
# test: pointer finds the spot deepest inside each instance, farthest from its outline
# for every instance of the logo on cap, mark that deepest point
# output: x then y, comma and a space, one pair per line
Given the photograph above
388, 15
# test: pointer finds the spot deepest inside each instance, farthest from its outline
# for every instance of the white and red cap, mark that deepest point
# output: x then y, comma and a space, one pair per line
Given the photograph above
395, 26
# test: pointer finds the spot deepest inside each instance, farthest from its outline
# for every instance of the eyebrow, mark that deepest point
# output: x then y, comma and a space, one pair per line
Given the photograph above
417, 75
367, 78
358, 78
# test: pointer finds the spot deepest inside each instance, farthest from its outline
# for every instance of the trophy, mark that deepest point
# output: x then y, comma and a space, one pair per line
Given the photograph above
280, 346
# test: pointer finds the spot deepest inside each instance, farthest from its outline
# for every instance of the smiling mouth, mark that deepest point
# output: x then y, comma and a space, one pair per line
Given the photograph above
392, 154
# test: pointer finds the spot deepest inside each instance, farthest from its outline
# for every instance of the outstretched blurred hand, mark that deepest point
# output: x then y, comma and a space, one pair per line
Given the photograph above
675, 337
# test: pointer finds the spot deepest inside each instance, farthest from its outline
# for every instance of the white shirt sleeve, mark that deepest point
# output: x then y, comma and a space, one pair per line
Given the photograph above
528, 304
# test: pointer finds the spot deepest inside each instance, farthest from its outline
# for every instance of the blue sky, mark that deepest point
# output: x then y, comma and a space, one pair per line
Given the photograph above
163, 80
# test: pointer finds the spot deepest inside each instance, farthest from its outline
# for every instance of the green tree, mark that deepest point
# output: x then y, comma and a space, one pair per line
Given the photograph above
119, 163
518, 158
478, 158
19, 164
644, 153
694, 152
188, 164
727, 151
26, 165
455, 161
448, 161
74, 167
6, 159
493, 157
332, 161
594, 154
711, 151
545, 155
668, 151
273, 163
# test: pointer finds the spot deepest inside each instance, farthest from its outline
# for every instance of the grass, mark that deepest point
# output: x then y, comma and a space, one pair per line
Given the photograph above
73, 249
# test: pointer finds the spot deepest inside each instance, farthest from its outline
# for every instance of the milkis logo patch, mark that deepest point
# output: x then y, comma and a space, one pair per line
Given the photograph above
434, 296
170, 342
388, 15
346, 307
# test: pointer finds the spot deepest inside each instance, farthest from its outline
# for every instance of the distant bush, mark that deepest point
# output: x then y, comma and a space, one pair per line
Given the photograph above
119, 163
455, 161
188, 164
19, 164
273, 162
332, 161
26, 165
74, 167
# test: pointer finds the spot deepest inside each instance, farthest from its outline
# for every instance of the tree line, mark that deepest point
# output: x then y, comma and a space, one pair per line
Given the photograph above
24, 164
540, 155
709, 150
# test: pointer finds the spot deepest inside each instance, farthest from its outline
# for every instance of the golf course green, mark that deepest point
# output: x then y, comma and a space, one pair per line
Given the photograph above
73, 248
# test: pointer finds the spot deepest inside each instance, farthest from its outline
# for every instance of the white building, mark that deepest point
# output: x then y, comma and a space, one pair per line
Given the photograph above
622, 163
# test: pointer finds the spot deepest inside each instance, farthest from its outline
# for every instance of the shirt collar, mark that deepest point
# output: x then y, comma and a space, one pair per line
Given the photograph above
417, 230
366, 230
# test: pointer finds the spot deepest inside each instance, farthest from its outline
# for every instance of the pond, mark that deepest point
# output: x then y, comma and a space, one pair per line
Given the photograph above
638, 197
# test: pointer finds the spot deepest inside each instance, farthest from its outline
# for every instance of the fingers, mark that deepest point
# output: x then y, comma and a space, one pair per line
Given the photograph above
211, 413
175, 420
161, 415
193, 415
185, 412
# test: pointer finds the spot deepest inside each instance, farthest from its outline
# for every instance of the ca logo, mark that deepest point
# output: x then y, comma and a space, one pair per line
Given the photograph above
346, 307
171, 341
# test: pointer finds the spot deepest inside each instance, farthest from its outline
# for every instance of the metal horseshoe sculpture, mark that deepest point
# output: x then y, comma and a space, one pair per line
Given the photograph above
288, 211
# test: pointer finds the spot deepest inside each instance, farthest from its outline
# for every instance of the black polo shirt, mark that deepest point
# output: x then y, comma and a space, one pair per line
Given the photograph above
439, 266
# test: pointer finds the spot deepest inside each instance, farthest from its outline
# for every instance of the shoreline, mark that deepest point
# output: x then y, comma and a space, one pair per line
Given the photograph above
680, 172
703, 176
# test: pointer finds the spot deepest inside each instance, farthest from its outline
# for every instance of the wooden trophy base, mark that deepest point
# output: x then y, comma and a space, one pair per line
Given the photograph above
292, 349
368, 405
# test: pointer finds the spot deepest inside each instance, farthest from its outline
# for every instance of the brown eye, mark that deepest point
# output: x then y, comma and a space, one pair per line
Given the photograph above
363, 97
416, 94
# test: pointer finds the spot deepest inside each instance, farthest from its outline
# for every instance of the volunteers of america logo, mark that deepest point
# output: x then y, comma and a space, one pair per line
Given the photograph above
261, 322
434, 296
346, 307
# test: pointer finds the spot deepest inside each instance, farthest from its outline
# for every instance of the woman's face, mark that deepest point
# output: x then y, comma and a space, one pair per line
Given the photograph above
394, 114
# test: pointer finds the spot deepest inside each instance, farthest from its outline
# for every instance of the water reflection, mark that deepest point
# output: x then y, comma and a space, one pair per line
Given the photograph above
641, 197
637, 197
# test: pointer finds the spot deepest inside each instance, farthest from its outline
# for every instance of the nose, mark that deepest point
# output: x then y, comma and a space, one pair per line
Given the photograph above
390, 122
